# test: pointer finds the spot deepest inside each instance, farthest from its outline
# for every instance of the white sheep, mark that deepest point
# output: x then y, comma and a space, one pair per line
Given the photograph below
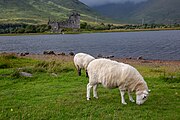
112, 74
81, 61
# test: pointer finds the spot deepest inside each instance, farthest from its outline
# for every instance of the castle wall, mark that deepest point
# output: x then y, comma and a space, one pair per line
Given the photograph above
73, 22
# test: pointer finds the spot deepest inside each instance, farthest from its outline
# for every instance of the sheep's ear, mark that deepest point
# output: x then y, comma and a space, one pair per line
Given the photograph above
149, 90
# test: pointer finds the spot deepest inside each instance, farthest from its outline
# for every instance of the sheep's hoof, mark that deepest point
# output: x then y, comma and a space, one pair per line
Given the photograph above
96, 97
132, 100
88, 98
124, 103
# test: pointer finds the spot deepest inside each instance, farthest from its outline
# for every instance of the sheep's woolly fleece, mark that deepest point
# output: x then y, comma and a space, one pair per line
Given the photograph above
82, 60
113, 74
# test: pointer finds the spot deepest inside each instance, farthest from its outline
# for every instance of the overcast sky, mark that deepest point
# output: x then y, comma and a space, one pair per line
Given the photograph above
101, 2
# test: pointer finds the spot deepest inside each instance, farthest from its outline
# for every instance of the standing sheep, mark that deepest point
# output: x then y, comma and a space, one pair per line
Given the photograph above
81, 61
112, 74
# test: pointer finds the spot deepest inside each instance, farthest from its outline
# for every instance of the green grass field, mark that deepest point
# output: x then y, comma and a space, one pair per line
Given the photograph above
63, 97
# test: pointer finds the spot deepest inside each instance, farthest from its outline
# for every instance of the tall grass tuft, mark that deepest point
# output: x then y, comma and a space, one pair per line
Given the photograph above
6, 60
10, 56
170, 79
15, 74
4, 65
53, 66
171, 74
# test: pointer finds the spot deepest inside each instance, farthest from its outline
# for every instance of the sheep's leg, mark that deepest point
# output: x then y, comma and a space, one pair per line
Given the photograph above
79, 71
95, 91
130, 96
88, 91
86, 73
122, 97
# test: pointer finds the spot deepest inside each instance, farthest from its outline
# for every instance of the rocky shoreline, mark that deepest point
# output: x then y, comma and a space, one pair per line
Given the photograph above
47, 55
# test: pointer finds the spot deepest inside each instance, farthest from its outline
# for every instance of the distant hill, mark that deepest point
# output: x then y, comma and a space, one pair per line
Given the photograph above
39, 11
152, 11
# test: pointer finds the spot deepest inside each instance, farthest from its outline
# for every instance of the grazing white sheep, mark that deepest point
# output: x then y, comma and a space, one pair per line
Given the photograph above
112, 74
81, 61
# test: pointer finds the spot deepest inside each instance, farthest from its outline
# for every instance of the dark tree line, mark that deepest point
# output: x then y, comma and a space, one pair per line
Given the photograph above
27, 28
103, 26
23, 28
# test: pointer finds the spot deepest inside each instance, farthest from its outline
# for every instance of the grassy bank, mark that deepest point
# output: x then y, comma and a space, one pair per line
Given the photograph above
56, 92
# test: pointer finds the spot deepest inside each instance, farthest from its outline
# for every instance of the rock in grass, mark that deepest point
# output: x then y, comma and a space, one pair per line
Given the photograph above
25, 74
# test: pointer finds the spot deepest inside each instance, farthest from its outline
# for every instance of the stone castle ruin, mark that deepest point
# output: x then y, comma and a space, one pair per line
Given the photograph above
73, 22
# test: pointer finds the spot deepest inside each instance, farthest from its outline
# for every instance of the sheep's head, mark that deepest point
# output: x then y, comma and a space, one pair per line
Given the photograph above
141, 97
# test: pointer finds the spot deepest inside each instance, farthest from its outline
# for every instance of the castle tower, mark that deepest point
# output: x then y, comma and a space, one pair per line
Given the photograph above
75, 20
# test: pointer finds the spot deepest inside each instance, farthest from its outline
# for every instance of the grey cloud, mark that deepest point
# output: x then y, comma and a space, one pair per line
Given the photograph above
101, 2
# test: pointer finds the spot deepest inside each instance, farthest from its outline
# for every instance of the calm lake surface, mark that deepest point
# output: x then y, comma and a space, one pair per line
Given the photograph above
163, 45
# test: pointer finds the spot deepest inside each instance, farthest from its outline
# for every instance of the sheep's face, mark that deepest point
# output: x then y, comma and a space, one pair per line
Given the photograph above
141, 97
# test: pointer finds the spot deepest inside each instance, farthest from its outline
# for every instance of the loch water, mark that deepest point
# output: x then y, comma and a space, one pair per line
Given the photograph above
162, 45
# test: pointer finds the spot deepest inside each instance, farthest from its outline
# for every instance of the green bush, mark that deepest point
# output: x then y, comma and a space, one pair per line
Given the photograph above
23, 28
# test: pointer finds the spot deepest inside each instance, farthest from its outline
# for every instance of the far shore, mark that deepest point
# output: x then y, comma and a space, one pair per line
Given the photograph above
92, 31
